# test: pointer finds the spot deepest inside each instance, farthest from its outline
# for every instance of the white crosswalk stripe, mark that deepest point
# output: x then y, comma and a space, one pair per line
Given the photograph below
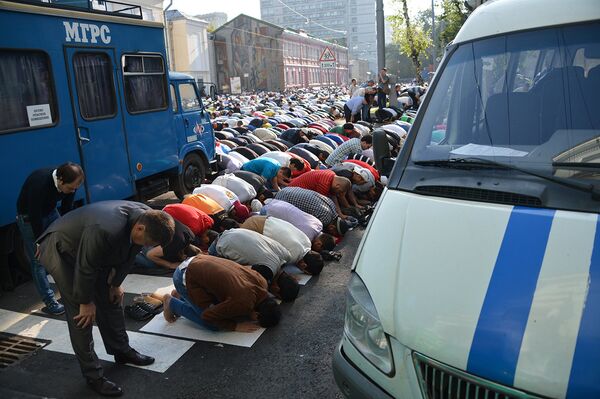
165, 350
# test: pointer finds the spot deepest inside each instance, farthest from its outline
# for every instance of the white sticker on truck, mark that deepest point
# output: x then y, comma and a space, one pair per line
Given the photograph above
39, 115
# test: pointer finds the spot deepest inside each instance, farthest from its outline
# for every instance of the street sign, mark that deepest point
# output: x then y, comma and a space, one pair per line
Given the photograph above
327, 55
327, 58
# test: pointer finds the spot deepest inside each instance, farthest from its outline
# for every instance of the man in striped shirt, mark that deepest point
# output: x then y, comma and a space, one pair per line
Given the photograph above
317, 205
325, 182
352, 146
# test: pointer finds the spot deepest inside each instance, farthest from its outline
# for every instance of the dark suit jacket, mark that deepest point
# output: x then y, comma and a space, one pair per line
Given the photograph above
96, 237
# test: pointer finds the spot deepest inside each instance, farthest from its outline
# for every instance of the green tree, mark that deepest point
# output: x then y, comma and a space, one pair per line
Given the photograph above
412, 38
454, 15
398, 64
424, 19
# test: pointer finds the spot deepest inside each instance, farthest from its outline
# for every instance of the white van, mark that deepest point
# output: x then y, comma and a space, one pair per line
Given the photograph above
479, 274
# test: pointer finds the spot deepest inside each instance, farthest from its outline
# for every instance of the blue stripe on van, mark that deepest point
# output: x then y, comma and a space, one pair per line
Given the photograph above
503, 318
585, 371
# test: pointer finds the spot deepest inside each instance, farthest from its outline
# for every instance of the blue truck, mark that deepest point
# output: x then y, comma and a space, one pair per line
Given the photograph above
87, 82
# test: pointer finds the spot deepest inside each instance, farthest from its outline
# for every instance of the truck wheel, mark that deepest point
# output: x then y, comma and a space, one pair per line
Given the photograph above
191, 176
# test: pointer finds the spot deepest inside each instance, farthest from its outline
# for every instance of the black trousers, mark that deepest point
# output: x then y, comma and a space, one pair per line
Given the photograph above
109, 317
348, 115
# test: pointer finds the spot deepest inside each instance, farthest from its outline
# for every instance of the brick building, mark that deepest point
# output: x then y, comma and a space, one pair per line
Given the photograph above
268, 57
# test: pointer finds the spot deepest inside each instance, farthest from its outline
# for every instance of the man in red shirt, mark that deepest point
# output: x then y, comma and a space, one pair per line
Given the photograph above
325, 182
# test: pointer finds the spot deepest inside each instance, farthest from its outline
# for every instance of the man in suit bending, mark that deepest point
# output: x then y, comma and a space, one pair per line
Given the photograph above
89, 252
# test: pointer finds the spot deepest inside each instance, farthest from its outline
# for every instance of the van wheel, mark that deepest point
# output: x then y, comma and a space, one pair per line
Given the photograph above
192, 175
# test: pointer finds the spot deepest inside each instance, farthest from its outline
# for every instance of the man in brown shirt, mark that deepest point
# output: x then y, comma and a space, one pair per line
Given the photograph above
214, 292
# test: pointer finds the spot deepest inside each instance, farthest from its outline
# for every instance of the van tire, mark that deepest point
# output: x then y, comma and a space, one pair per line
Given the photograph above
192, 175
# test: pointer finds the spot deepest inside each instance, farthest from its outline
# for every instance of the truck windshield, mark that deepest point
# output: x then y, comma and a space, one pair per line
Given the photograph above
524, 102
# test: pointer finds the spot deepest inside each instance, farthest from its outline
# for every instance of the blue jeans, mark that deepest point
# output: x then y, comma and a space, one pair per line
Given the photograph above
366, 112
212, 250
39, 274
184, 306
142, 260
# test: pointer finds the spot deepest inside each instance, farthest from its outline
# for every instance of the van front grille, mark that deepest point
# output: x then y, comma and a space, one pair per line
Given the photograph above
478, 194
439, 381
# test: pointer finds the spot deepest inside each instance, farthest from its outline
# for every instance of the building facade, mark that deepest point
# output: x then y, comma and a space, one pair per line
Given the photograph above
359, 70
350, 23
267, 57
188, 45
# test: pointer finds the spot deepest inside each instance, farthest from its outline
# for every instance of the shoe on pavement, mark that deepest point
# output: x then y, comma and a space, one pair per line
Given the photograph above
54, 308
133, 357
104, 387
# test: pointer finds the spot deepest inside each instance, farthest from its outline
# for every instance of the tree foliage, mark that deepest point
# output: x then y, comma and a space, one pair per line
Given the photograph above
454, 15
398, 64
411, 36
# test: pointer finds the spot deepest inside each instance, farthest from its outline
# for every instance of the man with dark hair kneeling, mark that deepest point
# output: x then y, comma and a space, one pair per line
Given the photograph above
213, 292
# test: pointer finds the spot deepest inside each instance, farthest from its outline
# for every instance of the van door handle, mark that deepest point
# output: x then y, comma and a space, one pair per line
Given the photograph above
81, 138
186, 122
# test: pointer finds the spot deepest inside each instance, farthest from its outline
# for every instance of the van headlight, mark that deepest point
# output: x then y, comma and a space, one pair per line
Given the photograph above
363, 328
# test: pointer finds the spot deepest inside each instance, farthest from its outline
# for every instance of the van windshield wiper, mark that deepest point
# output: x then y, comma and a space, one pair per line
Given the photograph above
473, 162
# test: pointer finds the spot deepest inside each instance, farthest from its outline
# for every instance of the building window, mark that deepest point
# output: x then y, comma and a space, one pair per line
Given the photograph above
95, 85
145, 83
25, 81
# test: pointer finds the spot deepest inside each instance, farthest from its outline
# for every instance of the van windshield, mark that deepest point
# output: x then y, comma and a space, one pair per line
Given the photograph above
524, 102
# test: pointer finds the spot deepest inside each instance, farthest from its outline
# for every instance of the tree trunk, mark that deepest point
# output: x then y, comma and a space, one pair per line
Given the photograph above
414, 54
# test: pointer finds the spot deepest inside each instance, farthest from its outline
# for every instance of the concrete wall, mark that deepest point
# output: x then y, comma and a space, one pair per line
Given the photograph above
189, 48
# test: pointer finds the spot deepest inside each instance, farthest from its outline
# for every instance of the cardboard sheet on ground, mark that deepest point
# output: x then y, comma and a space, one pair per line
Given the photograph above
183, 328
298, 274
139, 283
165, 350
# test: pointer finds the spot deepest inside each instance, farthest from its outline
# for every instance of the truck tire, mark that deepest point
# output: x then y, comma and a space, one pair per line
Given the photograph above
191, 176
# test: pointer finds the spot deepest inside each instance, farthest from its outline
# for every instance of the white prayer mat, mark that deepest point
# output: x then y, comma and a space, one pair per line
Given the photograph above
184, 328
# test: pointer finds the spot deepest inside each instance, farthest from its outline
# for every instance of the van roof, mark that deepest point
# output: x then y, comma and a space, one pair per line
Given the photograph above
179, 76
502, 16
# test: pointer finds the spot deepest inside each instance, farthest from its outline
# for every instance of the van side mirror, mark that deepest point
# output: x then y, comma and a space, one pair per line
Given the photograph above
381, 152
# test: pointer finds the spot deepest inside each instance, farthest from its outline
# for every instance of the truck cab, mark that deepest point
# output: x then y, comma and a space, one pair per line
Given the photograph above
195, 139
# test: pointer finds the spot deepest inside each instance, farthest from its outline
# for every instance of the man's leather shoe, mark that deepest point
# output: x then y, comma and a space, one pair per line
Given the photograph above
133, 357
105, 387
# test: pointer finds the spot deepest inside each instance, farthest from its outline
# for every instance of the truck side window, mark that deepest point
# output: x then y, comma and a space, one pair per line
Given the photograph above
95, 86
174, 105
189, 98
145, 83
26, 81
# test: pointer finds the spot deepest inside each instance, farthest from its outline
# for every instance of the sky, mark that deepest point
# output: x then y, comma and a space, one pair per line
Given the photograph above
252, 7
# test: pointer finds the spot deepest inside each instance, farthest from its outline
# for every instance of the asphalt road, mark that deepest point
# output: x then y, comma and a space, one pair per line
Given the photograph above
292, 360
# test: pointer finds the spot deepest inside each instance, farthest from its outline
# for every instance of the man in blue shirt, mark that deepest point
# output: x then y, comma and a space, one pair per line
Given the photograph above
353, 107
271, 170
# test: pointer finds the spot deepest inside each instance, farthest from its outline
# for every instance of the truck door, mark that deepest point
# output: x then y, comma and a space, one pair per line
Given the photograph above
195, 118
94, 89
